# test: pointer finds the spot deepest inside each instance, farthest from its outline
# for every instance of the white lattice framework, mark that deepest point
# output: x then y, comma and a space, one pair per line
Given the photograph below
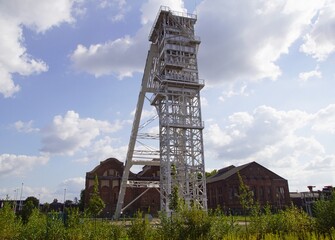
171, 76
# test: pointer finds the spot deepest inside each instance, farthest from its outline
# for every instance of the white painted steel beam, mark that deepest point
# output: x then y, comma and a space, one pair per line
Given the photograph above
171, 75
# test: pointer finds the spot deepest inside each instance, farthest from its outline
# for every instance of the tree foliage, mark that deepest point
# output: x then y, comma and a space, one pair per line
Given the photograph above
325, 214
187, 224
81, 204
10, 225
212, 173
30, 204
96, 204
245, 195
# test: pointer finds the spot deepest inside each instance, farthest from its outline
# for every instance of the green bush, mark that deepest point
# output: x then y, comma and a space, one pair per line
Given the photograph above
140, 229
325, 215
193, 223
222, 225
184, 224
35, 228
10, 225
289, 221
55, 226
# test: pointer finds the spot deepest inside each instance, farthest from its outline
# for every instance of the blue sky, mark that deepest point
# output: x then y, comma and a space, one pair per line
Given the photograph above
70, 72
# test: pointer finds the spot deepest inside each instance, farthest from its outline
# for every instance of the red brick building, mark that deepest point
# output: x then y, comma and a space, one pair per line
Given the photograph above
109, 173
222, 188
267, 187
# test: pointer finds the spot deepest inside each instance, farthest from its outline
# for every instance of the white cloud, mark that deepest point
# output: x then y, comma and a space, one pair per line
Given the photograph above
121, 7
14, 56
280, 140
104, 148
233, 92
72, 187
150, 8
123, 56
245, 134
146, 113
25, 127
305, 76
11, 164
68, 134
204, 102
250, 133
27, 191
244, 39
324, 120
112, 57
320, 41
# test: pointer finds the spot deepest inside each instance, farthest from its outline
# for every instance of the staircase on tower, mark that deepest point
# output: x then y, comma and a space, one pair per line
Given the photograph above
171, 84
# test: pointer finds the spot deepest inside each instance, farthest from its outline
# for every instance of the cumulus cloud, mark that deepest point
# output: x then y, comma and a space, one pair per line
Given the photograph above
11, 164
112, 57
320, 41
70, 133
235, 91
104, 148
25, 127
40, 193
284, 141
247, 45
305, 76
72, 187
14, 56
150, 8
123, 56
120, 6
324, 120
247, 134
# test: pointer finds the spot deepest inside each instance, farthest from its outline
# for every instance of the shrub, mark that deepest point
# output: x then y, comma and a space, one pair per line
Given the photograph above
55, 226
222, 226
140, 229
11, 226
193, 223
36, 227
325, 215
289, 221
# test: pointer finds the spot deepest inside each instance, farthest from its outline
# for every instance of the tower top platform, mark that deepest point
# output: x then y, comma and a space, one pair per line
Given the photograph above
163, 10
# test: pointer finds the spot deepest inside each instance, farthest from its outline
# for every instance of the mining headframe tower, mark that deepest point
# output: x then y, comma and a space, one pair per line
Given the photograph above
172, 81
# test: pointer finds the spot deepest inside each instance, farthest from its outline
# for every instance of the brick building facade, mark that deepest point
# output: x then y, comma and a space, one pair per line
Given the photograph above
267, 187
222, 188
109, 173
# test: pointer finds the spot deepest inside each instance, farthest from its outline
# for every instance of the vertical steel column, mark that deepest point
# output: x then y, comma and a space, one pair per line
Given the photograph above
171, 74
177, 100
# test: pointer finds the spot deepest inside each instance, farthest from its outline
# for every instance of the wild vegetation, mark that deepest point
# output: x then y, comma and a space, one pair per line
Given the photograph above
183, 224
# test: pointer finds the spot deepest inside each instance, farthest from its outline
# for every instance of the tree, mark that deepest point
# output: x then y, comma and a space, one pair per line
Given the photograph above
325, 214
29, 204
212, 173
174, 197
96, 204
246, 199
82, 200
245, 196
10, 225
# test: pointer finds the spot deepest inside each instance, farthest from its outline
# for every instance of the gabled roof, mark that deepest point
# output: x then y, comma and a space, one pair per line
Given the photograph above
226, 172
229, 171
107, 161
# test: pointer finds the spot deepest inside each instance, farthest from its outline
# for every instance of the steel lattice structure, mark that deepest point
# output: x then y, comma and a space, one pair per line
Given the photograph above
171, 76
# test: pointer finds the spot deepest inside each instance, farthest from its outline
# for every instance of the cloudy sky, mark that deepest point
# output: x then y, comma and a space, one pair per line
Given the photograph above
70, 74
